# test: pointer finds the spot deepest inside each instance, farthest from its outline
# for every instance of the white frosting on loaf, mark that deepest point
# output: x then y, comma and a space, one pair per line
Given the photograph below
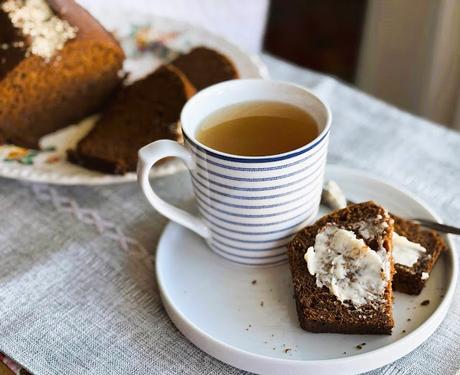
36, 20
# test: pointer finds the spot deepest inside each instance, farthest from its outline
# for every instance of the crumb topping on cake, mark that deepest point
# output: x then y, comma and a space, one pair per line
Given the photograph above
36, 20
350, 269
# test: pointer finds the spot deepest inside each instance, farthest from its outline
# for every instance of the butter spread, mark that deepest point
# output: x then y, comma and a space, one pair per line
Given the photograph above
47, 32
373, 229
348, 267
406, 252
333, 195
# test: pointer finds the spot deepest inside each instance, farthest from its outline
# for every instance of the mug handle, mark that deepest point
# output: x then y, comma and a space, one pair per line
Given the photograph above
148, 156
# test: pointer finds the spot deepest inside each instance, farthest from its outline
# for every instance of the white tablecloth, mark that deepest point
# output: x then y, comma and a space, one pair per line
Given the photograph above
77, 288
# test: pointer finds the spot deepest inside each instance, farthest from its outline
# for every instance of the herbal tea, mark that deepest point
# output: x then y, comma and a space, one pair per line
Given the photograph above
258, 129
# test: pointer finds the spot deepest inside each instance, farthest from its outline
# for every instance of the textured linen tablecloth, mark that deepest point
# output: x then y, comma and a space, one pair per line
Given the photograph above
77, 287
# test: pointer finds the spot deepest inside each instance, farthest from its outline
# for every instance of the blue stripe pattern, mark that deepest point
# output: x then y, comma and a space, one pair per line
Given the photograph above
306, 189
262, 159
248, 189
254, 179
208, 214
246, 248
244, 169
253, 206
238, 214
251, 256
227, 229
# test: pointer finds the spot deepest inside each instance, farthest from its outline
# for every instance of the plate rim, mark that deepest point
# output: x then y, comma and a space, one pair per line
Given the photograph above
396, 349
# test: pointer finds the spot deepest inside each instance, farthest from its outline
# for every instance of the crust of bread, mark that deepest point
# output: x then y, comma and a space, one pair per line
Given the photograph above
320, 311
409, 279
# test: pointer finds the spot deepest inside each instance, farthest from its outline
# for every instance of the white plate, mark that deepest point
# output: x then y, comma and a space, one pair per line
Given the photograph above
168, 36
215, 304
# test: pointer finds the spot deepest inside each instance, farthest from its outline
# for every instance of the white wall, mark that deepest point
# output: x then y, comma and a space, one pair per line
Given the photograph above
242, 22
410, 56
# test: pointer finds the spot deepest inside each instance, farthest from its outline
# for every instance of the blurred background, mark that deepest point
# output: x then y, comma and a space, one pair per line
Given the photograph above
406, 52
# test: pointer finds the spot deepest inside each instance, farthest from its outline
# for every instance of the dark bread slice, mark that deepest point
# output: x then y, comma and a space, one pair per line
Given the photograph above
409, 279
38, 97
142, 112
320, 311
205, 67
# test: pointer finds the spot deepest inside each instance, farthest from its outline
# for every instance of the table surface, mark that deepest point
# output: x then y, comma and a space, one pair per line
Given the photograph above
78, 289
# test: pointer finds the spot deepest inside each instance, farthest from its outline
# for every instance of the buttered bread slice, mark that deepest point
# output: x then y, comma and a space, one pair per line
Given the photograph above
415, 252
342, 269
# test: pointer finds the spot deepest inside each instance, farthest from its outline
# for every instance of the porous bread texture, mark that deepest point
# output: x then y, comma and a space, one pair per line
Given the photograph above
320, 311
142, 112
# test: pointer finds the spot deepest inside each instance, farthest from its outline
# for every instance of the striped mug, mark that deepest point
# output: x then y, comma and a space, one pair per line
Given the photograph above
250, 207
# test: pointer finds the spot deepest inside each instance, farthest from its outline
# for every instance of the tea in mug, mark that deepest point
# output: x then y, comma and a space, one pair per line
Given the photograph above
258, 129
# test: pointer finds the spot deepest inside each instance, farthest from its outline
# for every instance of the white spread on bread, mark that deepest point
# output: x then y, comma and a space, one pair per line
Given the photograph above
373, 229
350, 269
406, 252
425, 275
47, 32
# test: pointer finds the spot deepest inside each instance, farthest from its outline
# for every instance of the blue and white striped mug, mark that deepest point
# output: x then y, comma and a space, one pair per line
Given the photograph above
250, 206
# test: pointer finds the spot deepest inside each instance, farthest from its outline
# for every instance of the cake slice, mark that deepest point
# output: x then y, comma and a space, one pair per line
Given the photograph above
205, 67
342, 269
57, 65
415, 252
142, 112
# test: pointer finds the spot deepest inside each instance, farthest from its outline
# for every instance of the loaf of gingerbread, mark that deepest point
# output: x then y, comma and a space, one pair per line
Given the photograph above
57, 65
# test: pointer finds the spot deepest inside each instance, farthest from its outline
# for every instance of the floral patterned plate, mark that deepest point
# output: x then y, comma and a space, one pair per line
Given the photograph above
148, 42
